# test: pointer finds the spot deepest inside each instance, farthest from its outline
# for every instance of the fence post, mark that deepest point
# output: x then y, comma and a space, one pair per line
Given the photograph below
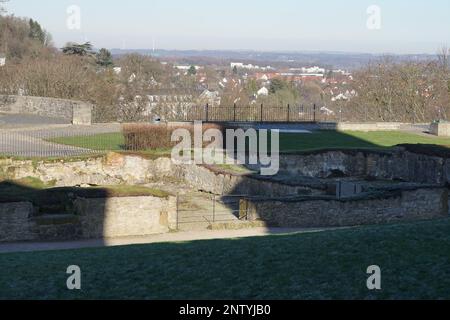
178, 211
288, 112
314, 113
214, 208
234, 111
207, 112
262, 106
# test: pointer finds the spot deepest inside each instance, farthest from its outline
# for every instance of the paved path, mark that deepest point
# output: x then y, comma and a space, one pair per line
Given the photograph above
30, 141
162, 238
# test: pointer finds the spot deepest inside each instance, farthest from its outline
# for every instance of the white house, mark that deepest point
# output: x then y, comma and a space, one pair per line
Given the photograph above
263, 92
327, 111
187, 68
2, 61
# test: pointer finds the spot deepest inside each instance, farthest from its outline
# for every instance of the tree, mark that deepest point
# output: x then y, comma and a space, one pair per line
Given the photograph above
36, 32
104, 58
192, 71
235, 70
18, 42
277, 85
73, 48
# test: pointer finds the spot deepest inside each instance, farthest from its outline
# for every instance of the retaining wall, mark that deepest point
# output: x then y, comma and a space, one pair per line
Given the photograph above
94, 219
75, 112
412, 205
400, 164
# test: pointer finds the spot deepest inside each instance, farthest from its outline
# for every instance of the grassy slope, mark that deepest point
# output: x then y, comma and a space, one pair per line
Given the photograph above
289, 142
414, 258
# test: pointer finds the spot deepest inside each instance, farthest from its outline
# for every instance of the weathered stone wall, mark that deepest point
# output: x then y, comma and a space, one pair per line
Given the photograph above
94, 219
222, 183
16, 222
75, 112
124, 217
396, 165
408, 205
105, 170
440, 129
129, 169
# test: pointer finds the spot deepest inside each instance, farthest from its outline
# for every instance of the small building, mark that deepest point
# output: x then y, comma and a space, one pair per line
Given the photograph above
2, 60
263, 91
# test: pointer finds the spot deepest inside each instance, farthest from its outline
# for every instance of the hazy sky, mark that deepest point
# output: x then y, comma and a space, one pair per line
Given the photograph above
407, 26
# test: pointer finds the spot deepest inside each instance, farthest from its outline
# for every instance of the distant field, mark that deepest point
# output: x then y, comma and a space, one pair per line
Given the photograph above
414, 261
288, 142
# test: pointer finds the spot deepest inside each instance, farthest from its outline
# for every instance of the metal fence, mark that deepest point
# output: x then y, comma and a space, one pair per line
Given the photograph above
214, 209
43, 140
252, 113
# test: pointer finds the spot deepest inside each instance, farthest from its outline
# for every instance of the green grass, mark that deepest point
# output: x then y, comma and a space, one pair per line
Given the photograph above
354, 139
288, 142
414, 259
100, 142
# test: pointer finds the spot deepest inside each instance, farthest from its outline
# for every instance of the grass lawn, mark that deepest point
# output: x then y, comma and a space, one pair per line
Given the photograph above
289, 142
100, 142
414, 259
354, 139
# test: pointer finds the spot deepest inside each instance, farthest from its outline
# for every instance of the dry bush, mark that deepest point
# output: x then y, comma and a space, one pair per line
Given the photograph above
400, 91
148, 136
64, 77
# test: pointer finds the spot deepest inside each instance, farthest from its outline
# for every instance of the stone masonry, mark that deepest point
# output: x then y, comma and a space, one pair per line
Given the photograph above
407, 205
75, 112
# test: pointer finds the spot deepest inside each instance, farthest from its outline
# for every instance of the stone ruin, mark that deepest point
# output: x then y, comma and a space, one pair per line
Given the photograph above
328, 188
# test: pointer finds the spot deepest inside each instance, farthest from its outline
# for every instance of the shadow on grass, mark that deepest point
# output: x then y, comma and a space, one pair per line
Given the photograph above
328, 265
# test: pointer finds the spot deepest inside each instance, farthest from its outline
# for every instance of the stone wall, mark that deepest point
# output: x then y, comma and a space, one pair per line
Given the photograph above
16, 222
223, 183
75, 112
441, 129
124, 217
111, 169
407, 205
94, 219
400, 165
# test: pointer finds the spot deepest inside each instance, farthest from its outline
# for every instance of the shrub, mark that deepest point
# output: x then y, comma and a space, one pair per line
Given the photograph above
153, 136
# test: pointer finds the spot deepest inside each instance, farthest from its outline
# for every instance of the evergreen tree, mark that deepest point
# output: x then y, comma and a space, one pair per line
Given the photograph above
104, 58
192, 71
36, 32
72, 48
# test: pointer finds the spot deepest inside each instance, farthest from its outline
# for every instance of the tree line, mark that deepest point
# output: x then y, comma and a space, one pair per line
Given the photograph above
385, 90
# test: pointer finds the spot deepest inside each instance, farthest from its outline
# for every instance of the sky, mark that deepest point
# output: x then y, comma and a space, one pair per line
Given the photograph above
396, 26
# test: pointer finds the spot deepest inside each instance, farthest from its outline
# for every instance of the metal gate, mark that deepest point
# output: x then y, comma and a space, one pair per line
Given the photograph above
201, 212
